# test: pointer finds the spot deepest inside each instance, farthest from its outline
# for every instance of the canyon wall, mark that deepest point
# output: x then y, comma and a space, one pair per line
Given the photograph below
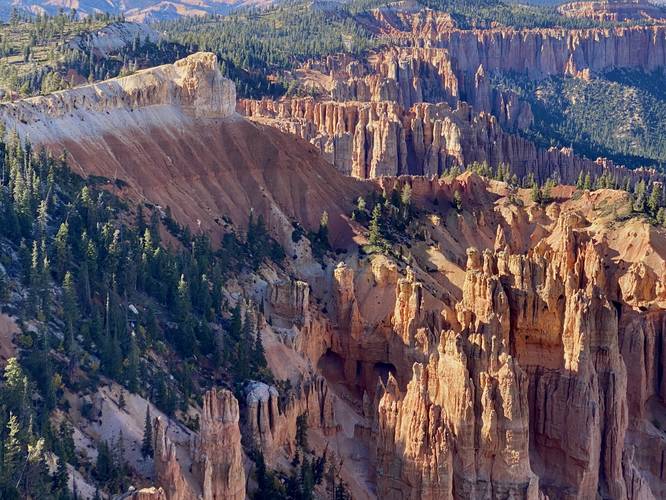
545, 52
535, 52
371, 112
374, 139
543, 379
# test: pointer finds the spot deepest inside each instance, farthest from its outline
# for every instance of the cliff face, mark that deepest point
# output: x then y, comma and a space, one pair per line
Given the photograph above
192, 86
539, 53
374, 110
375, 139
542, 378
613, 11
412, 75
536, 363
534, 52
272, 428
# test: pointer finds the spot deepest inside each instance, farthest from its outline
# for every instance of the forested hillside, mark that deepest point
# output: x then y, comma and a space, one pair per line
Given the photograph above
619, 115
95, 295
38, 54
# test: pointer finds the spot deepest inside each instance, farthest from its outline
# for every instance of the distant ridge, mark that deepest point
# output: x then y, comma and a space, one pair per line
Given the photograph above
133, 10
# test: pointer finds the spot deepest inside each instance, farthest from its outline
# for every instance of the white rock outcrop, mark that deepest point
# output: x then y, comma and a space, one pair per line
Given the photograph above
191, 87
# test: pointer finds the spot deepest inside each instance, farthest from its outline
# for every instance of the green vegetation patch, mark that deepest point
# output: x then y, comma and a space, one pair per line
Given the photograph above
620, 115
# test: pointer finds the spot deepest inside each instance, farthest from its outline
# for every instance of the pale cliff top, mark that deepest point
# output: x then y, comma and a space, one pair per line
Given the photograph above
194, 85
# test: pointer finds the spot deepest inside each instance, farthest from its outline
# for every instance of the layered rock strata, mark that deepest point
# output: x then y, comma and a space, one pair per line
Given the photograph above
192, 86
376, 139
614, 10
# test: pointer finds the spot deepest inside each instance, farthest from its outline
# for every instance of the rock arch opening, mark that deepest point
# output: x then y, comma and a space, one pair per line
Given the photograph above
332, 366
382, 370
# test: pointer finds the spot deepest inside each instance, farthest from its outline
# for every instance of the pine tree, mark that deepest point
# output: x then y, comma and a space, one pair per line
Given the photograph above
60, 477
104, 466
536, 193
63, 252
36, 470
375, 232
654, 201
243, 347
132, 365
587, 183
265, 483
302, 431
183, 302
661, 216
259, 355
70, 310
360, 204
14, 453
406, 201
65, 443
306, 479
15, 391
147, 443
42, 217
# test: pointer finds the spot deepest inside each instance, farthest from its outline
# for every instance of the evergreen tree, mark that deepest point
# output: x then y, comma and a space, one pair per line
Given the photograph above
15, 391
302, 431
581, 181
661, 216
147, 443
259, 355
70, 310
243, 347
536, 194
132, 366
60, 477
65, 443
375, 234
654, 201
360, 204
183, 302
104, 466
14, 452
406, 201
63, 251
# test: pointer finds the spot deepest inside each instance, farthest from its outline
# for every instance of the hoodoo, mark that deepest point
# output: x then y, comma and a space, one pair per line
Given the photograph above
382, 273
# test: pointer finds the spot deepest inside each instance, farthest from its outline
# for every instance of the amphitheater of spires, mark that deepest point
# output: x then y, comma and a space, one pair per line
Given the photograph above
507, 349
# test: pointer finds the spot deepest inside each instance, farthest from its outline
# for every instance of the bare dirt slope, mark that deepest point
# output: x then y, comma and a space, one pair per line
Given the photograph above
220, 167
